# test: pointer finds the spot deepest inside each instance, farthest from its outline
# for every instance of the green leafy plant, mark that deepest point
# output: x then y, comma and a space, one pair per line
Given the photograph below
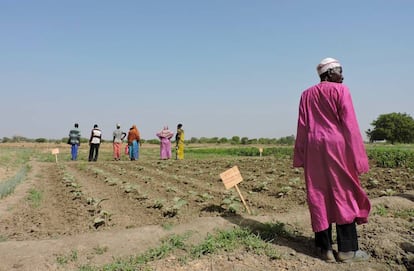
232, 203
172, 211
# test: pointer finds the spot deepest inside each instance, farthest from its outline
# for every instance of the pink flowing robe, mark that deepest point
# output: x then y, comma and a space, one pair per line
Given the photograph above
330, 148
165, 148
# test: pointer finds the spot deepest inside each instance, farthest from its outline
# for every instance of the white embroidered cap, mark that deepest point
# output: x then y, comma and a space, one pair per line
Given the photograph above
326, 64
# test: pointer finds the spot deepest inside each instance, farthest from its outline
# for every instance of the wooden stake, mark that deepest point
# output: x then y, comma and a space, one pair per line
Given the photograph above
55, 152
245, 205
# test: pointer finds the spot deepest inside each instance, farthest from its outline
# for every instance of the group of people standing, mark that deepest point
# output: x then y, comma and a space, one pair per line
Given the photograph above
133, 141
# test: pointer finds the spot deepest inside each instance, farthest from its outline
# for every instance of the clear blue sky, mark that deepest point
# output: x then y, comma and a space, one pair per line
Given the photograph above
220, 67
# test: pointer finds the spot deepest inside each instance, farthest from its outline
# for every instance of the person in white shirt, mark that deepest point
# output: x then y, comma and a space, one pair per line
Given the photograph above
94, 143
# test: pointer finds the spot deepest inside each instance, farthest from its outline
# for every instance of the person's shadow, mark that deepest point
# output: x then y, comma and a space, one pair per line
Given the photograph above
276, 233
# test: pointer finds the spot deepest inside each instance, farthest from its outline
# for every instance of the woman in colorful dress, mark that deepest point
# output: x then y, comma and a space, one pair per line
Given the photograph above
165, 136
179, 142
133, 143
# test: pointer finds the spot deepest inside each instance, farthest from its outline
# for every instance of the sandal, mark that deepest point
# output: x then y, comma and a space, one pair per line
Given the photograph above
353, 256
326, 255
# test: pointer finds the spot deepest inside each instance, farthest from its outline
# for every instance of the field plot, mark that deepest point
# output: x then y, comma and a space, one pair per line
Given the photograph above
78, 215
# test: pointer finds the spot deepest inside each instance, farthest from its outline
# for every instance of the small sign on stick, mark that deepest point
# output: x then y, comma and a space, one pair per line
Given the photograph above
231, 178
55, 152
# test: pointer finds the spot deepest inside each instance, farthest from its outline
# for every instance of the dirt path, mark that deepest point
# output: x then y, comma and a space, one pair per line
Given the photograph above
59, 234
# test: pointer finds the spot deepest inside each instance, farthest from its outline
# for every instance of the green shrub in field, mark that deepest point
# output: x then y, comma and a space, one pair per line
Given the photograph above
392, 157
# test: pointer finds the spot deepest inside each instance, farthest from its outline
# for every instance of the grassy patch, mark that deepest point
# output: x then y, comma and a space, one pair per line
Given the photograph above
100, 250
380, 210
405, 214
35, 197
216, 243
7, 187
65, 259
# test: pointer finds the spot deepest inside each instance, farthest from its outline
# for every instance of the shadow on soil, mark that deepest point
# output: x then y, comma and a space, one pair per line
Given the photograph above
277, 233
406, 196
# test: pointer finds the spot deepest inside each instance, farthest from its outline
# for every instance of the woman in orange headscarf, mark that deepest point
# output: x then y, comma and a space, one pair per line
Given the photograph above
133, 143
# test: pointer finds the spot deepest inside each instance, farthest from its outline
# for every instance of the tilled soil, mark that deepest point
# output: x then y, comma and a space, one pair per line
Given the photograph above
127, 207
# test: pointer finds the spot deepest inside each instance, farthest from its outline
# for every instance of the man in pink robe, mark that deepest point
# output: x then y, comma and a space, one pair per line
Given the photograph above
330, 148
165, 136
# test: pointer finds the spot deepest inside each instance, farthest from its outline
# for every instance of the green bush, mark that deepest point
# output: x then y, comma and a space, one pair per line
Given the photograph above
392, 158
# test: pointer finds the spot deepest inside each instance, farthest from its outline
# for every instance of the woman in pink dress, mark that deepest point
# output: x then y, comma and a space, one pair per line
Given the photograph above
165, 136
330, 148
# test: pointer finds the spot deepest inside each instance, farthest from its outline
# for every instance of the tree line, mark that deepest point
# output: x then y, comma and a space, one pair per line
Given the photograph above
235, 140
392, 127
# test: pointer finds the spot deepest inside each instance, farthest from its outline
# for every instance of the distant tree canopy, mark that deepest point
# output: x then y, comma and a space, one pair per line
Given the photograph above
393, 127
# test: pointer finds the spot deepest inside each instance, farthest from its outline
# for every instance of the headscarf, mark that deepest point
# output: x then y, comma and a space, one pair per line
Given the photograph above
165, 132
133, 134
326, 64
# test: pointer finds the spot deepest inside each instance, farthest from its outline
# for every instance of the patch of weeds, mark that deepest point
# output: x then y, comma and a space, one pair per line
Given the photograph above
387, 192
167, 246
129, 188
284, 191
158, 204
214, 243
171, 189
173, 210
261, 187
232, 203
167, 226
204, 197
100, 250
82, 166
3, 238
35, 197
87, 268
138, 262
405, 214
380, 210
65, 259
372, 182
230, 240
272, 231
294, 181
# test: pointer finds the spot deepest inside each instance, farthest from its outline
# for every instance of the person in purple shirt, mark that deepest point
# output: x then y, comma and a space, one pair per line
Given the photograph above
330, 148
